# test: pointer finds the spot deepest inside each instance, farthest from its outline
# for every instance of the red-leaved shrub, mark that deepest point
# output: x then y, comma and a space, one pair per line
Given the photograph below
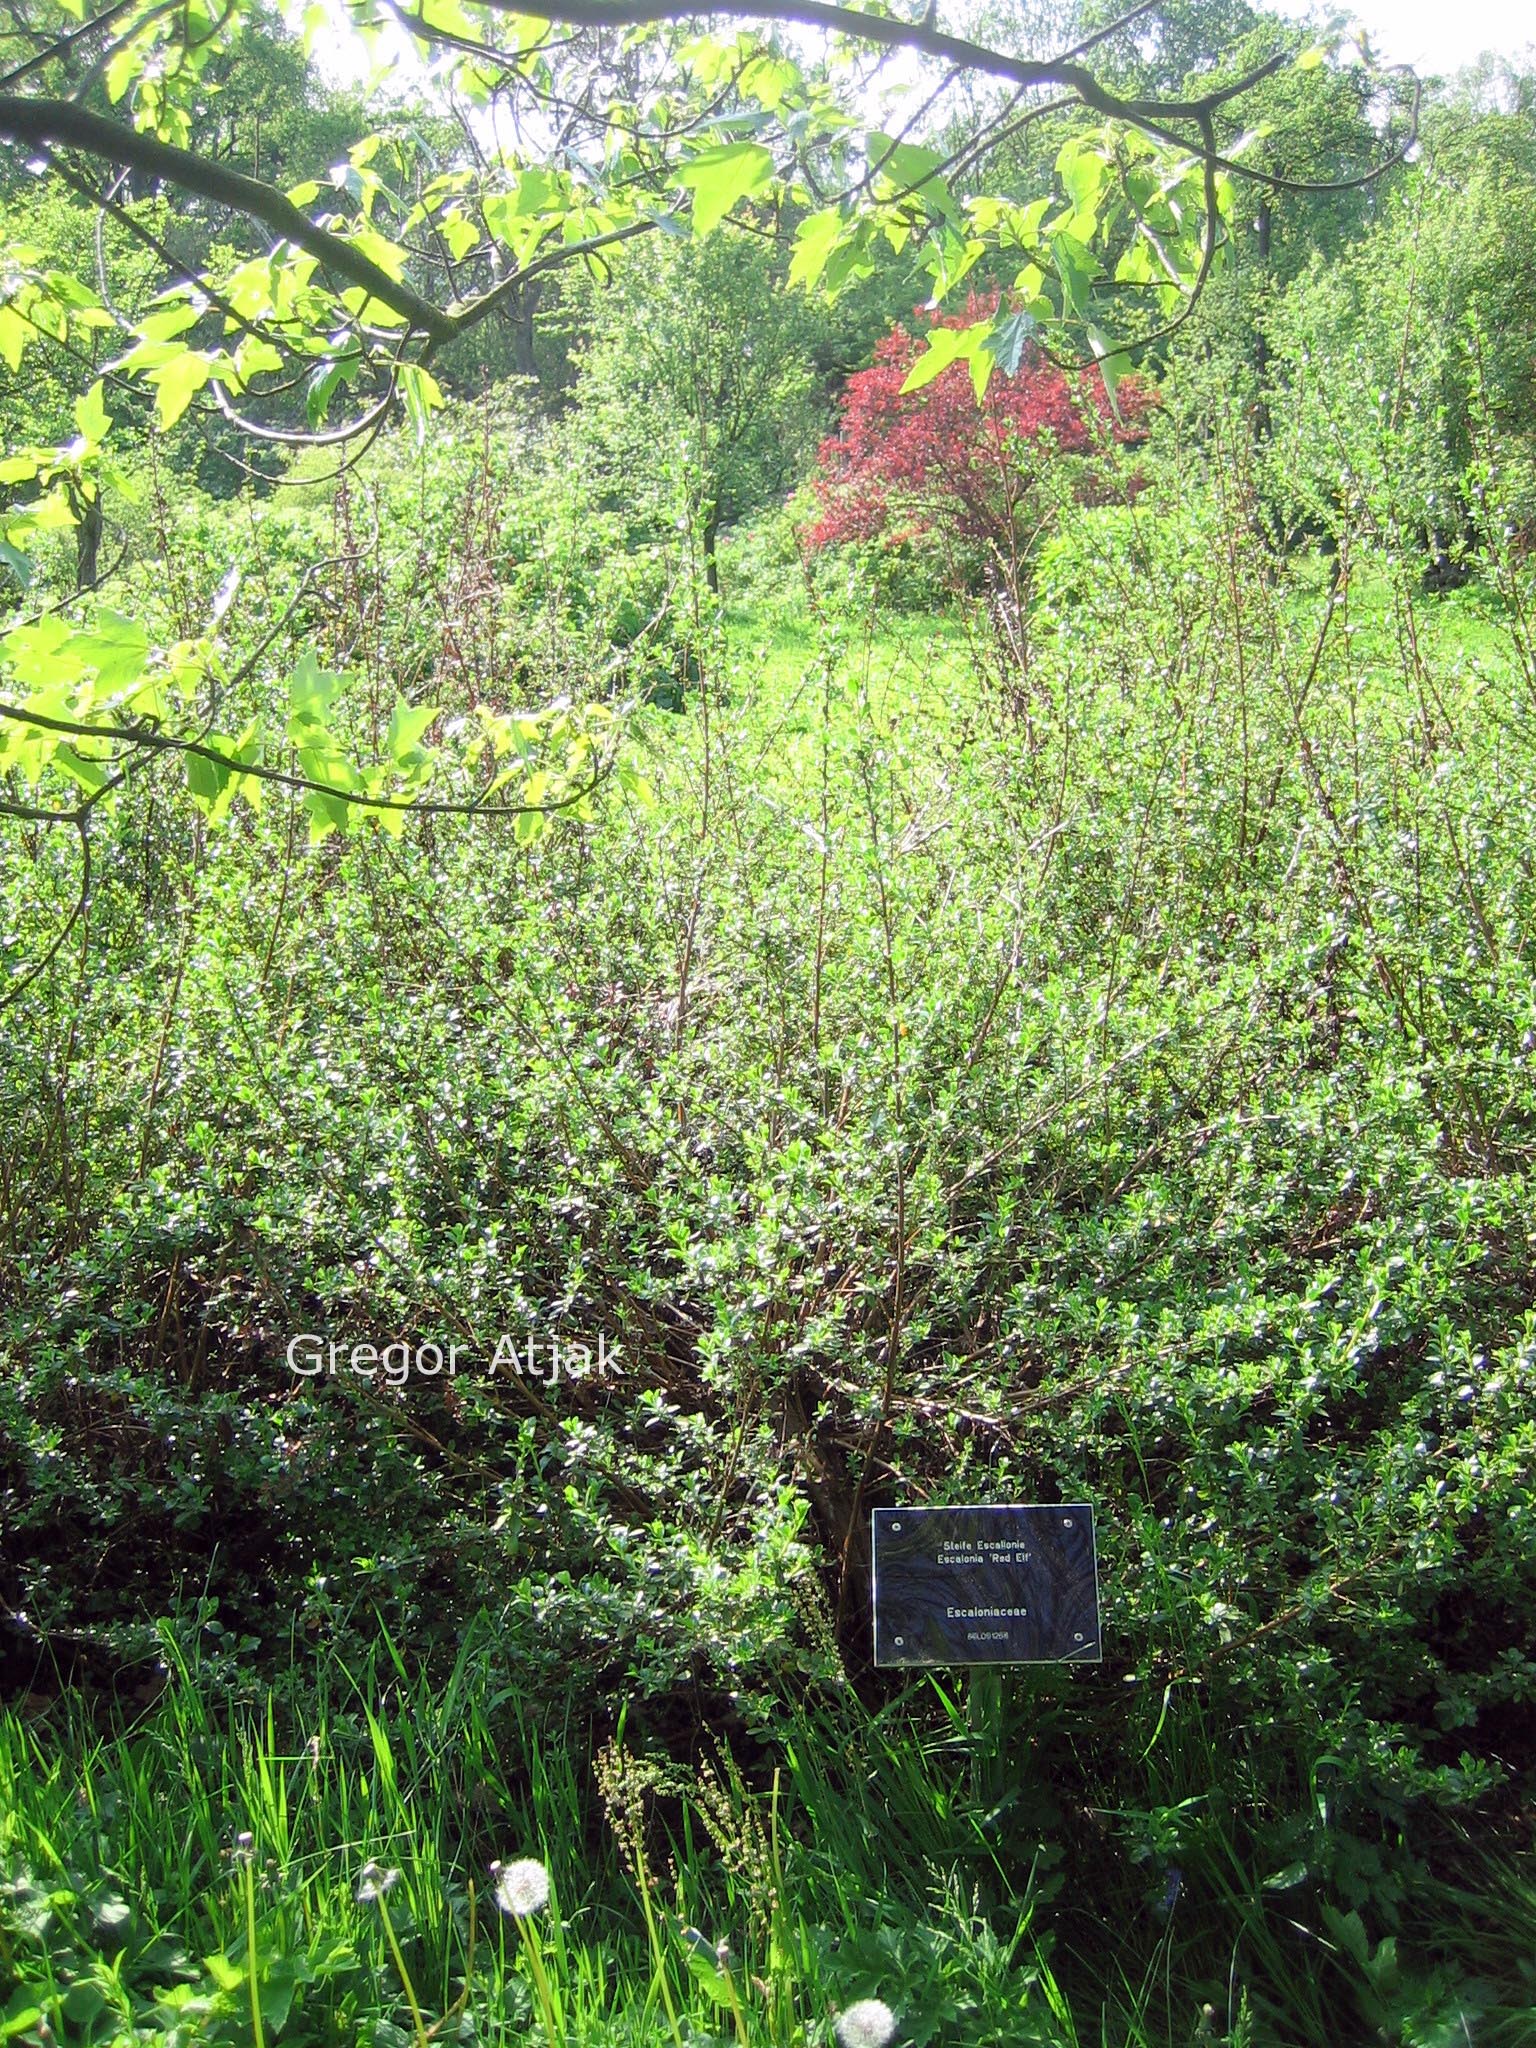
934, 461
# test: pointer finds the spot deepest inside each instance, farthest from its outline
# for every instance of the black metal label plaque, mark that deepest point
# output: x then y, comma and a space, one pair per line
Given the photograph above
985, 1585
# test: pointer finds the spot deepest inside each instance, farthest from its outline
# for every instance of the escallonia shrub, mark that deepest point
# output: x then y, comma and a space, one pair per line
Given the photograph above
932, 463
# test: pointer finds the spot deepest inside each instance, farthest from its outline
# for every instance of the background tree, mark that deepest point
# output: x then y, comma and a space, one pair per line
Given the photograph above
1448, 261
931, 459
698, 361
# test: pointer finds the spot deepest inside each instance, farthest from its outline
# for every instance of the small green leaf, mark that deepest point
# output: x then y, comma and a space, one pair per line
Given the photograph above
227, 1975
1348, 1930
327, 814
332, 372
537, 191
769, 80
23, 2011
255, 354
117, 648
1077, 267
908, 169
82, 2003
1112, 365
422, 395
20, 565
634, 784
279, 1981
946, 345
1082, 169
311, 691
91, 415
719, 178
407, 723
815, 239
168, 323
90, 775
14, 336
1009, 338
711, 1980
207, 781
178, 382
386, 255
460, 234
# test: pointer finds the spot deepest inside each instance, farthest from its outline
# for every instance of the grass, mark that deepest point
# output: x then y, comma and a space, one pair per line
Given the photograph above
126, 1917
332, 1879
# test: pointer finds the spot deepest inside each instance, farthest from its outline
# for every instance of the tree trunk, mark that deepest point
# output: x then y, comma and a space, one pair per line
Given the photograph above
87, 510
1261, 416
524, 305
711, 536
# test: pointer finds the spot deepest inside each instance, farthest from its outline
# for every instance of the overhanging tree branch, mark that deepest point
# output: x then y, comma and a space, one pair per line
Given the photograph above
890, 32
62, 45
149, 739
41, 122
46, 123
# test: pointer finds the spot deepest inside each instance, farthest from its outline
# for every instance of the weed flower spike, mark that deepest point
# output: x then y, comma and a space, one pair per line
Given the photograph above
868, 2024
522, 1888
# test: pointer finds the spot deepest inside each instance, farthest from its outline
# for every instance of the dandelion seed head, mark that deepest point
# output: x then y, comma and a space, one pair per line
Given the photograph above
869, 2023
521, 1887
374, 1881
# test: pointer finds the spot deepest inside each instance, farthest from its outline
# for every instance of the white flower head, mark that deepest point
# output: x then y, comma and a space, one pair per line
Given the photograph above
374, 1882
522, 1887
869, 2023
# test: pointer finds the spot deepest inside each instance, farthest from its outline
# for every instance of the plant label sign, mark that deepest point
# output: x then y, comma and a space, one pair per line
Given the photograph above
986, 1585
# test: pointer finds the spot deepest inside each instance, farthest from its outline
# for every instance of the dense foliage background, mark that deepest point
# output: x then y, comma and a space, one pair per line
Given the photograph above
1042, 1009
